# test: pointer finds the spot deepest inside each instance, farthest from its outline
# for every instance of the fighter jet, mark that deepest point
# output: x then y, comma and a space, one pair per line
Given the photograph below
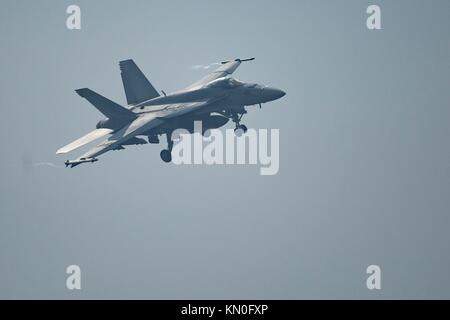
214, 100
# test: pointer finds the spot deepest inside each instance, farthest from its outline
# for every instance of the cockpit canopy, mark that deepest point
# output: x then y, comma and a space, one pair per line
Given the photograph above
224, 82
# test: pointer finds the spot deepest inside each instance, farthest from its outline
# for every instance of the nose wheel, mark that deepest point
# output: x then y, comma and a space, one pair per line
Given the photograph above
240, 130
166, 154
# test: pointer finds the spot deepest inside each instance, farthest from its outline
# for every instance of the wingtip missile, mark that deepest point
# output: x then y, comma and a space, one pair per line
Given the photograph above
73, 163
238, 60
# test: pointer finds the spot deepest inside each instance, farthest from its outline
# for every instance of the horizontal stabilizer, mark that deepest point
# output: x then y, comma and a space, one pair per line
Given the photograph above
136, 85
109, 108
91, 136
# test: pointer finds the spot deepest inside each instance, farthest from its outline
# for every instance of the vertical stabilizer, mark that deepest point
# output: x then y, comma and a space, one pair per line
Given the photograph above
137, 87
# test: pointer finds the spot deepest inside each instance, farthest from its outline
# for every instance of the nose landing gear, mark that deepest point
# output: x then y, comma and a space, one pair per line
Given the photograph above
240, 129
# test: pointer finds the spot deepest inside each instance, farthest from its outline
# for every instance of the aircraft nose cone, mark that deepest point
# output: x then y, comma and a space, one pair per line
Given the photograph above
274, 93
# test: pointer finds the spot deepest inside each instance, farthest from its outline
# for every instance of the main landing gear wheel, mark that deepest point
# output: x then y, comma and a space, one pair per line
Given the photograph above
166, 155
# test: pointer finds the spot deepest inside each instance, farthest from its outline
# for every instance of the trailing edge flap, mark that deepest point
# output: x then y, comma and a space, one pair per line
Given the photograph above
91, 136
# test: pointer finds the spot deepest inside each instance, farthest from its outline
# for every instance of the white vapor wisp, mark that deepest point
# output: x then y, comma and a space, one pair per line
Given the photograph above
46, 164
204, 67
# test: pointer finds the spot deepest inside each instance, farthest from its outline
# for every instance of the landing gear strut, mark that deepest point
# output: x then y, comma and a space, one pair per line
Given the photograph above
166, 154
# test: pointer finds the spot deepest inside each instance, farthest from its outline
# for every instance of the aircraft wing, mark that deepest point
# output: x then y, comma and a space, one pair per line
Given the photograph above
227, 68
91, 136
137, 127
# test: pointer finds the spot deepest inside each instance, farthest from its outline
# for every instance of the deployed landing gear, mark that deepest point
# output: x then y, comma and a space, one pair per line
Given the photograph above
236, 117
166, 154
240, 128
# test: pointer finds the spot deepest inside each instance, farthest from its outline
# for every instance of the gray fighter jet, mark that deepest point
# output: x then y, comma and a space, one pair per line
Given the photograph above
214, 100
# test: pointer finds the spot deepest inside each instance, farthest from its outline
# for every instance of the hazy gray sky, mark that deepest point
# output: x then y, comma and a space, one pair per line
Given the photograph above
364, 165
